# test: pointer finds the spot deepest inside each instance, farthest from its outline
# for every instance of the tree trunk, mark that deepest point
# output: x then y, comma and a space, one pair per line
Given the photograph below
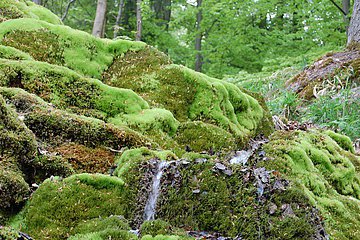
118, 18
167, 13
99, 23
38, 2
346, 9
138, 20
354, 28
199, 35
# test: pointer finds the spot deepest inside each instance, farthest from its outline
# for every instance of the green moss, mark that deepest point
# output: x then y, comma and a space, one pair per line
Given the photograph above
15, 138
65, 88
57, 207
13, 9
149, 119
321, 162
14, 189
71, 48
130, 159
105, 234
57, 126
13, 53
201, 136
156, 227
343, 141
190, 96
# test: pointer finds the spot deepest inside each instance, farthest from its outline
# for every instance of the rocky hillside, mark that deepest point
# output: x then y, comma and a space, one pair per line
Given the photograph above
102, 136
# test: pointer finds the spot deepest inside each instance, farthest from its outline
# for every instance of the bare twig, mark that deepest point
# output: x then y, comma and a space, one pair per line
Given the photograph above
338, 7
67, 9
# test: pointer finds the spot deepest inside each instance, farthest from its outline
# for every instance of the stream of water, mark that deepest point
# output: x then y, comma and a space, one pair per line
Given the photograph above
150, 208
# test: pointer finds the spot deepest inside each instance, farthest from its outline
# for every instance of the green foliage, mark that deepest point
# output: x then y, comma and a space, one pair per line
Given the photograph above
327, 172
339, 112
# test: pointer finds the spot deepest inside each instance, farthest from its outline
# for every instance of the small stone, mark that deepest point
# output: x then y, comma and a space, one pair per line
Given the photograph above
196, 191
287, 211
228, 172
220, 166
272, 208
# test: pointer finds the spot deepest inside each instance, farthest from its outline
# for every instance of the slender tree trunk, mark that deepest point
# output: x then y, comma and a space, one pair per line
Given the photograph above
167, 13
346, 9
118, 18
67, 9
138, 20
199, 35
99, 23
39, 2
354, 28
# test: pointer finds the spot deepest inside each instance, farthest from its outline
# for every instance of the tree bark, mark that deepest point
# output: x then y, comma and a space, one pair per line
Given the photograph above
346, 9
118, 18
99, 23
199, 36
38, 2
138, 20
354, 28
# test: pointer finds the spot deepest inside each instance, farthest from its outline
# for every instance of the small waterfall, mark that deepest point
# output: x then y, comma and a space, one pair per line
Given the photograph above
150, 208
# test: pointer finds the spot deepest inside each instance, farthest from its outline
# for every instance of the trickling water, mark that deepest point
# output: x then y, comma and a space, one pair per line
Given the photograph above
150, 208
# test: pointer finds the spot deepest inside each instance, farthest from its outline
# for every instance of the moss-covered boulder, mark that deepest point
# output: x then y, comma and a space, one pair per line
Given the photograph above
327, 171
61, 208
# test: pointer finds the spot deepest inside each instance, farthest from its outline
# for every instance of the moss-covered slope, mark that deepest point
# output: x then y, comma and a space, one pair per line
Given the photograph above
167, 97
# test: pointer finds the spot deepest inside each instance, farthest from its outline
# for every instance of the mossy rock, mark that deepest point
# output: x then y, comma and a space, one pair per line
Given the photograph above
196, 195
323, 164
13, 9
200, 136
13, 188
15, 138
64, 46
59, 206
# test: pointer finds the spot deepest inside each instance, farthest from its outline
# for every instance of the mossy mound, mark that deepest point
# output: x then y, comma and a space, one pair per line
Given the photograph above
323, 165
191, 96
13, 9
63, 46
61, 208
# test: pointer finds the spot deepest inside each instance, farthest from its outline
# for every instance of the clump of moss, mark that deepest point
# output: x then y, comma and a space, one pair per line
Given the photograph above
86, 160
321, 162
135, 69
13, 54
13, 9
156, 227
71, 48
57, 126
200, 136
13, 188
105, 234
15, 138
58, 207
